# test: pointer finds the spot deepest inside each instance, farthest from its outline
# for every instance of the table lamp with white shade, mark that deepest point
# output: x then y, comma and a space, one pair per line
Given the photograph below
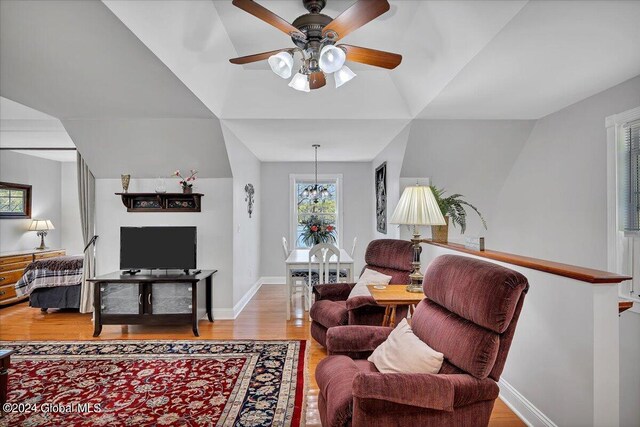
42, 226
417, 207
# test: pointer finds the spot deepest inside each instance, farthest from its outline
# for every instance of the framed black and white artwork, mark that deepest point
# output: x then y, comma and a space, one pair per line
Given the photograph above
381, 197
249, 192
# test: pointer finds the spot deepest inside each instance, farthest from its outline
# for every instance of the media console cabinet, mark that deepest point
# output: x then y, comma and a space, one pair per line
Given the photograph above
154, 299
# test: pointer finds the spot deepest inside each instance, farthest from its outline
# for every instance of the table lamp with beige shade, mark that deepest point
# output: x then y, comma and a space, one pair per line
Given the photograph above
42, 226
417, 207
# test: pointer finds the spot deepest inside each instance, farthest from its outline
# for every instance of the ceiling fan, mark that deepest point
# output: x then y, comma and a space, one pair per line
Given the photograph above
315, 36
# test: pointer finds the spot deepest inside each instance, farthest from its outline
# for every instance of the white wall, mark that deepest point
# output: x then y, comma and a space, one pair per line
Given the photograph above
629, 369
358, 209
393, 154
70, 227
542, 188
554, 205
469, 157
246, 231
150, 147
45, 177
215, 246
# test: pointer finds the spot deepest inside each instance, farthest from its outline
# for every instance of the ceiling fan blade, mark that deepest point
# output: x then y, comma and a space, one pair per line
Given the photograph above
377, 58
361, 12
317, 80
255, 58
269, 17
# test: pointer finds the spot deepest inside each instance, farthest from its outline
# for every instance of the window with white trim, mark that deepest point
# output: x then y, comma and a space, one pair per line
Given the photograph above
623, 166
315, 218
629, 170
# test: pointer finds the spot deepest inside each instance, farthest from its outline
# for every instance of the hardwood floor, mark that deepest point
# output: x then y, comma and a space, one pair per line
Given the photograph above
262, 318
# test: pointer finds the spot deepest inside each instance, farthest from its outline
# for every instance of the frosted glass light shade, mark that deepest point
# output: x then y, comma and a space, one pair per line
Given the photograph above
300, 82
41, 225
343, 75
417, 206
331, 59
282, 64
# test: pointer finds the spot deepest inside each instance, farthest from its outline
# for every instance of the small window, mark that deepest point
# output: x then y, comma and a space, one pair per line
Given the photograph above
15, 200
630, 168
324, 210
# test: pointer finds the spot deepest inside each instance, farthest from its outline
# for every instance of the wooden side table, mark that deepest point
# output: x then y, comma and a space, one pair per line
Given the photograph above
391, 297
5, 362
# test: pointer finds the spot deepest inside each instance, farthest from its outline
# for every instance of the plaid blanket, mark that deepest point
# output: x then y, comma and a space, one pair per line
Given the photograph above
50, 273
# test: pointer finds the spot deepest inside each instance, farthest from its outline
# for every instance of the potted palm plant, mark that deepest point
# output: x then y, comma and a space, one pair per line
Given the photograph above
452, 208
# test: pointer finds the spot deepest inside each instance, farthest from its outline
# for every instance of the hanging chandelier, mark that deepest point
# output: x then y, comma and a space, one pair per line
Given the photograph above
315, 192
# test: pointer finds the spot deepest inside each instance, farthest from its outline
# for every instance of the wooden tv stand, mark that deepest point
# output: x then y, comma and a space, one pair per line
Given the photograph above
152, 299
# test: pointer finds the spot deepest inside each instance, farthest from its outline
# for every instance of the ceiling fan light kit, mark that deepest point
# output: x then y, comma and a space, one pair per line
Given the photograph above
300, 82
331, 58
315, 36
282, 64
343, 75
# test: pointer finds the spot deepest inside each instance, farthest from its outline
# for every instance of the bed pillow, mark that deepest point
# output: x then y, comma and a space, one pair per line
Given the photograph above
366, 278
403, 352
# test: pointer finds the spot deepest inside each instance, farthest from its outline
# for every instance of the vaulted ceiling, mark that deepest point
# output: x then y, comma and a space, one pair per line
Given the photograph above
461, 59
122, 107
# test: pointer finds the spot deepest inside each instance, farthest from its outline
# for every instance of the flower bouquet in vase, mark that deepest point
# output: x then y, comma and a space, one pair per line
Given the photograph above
316, 230
186, 183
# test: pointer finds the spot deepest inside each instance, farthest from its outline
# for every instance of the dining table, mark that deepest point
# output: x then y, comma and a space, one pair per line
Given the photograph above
298, 259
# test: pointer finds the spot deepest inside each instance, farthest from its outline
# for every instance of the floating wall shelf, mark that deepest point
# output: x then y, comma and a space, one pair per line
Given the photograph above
161, 202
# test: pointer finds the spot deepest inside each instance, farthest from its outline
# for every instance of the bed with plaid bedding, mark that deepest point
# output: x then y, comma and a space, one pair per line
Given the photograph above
50, 273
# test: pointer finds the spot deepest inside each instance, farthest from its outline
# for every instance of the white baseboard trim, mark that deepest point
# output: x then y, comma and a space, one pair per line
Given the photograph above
222, 314
232, 313
237, 309
273, 280
524, 409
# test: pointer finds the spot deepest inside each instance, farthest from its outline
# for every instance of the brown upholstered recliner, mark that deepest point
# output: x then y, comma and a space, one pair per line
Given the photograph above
331, 308
470, 315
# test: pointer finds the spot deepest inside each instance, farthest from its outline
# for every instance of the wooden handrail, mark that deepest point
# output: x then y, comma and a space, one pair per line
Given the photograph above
574, 272
624, 306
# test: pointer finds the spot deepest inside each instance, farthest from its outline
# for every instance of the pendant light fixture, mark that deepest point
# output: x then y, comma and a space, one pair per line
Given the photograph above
316, 192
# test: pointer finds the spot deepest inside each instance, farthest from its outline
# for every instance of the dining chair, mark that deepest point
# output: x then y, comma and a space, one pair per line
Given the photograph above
285, 248
321, 255
345, 273
298, 276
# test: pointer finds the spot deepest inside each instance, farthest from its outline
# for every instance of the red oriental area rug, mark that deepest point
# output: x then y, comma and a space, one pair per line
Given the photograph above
159, 383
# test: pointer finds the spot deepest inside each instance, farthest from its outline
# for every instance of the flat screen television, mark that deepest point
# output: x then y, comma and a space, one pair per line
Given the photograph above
158, 247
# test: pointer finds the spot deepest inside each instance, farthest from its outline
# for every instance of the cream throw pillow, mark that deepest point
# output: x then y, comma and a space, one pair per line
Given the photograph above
403, 352
368, 277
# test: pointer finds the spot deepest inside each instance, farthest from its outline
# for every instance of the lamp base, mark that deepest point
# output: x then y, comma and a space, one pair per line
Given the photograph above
414, 287
42, 246
416, 277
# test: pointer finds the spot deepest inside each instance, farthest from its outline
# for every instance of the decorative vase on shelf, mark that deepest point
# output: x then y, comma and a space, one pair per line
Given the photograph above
440, 233
126, 179
160, 186
187, 190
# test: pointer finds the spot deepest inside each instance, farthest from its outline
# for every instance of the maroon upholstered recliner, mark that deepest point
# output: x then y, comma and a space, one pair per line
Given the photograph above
470, 315
331, 308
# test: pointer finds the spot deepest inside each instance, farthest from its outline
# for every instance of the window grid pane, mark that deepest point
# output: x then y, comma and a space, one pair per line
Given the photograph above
326, 208
632, 178
13, 201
